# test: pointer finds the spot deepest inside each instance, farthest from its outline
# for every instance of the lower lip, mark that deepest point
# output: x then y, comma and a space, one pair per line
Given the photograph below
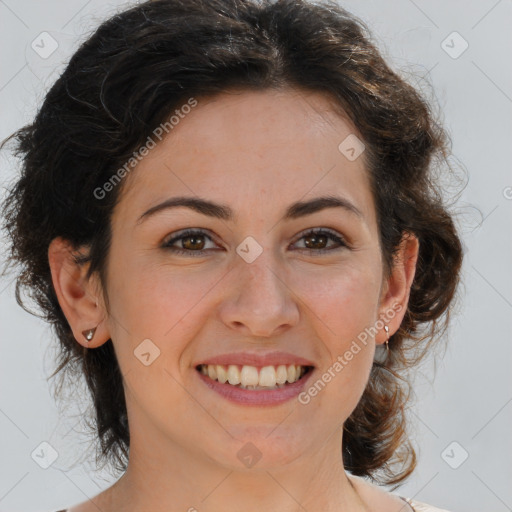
256, 397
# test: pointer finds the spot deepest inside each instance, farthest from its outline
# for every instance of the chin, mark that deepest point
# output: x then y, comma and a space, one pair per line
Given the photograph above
265, 448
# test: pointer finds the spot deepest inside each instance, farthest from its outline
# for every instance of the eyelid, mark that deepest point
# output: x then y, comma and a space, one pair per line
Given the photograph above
320, 230
184, 233
334, 235
187, 232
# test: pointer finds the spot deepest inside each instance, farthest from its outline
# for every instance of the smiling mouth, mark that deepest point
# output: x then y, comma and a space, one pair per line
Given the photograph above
255, 378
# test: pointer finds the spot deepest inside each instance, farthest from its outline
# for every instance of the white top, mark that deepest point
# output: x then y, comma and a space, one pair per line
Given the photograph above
416, 505
422, 507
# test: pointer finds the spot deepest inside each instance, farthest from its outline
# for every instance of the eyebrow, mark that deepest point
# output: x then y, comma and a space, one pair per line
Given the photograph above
224, 212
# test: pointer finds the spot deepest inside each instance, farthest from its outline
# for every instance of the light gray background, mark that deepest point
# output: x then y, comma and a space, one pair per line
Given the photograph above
469, 400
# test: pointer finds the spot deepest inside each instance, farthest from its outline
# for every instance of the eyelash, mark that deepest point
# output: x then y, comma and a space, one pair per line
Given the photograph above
191, 232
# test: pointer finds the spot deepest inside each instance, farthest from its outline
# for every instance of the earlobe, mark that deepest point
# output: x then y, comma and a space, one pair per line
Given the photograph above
77, 295
398, 286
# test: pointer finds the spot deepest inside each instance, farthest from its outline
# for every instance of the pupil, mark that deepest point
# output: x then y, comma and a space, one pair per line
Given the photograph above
315, 239
195, 240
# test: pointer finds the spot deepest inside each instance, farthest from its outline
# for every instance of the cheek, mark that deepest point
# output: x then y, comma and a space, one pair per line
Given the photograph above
169, 309
159, 304
344, 300
344, 306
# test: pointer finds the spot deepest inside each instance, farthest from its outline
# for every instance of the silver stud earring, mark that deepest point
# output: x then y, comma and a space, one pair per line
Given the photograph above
89, 333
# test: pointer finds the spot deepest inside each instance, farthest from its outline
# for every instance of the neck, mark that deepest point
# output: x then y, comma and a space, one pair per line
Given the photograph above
176, 478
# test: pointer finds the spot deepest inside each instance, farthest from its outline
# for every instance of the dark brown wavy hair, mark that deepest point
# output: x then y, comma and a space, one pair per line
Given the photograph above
136, 69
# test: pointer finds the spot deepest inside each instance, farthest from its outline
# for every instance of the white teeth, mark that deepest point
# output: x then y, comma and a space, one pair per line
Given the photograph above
281, 374
233, 374
251, 377
222, 374
267, 376
292, 373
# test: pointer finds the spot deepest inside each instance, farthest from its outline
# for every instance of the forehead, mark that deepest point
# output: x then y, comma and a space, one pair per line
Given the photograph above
241, 146
270, 119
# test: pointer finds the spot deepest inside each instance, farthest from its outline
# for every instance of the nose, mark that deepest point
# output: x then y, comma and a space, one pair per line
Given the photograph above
260, 300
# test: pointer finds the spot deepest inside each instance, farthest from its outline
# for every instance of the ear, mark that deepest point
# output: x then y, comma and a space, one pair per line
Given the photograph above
80, 299
396, 290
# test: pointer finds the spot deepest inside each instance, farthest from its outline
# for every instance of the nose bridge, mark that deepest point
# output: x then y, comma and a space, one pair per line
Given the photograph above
260, 298
261, 275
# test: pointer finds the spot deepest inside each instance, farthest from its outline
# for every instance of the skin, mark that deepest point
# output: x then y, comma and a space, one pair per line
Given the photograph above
256, 152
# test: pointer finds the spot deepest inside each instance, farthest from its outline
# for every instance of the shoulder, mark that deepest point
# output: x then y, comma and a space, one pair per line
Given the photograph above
379, 499
376, 498
424, 507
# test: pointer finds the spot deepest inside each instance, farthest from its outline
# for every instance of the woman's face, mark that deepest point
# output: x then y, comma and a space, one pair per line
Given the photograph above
251, 286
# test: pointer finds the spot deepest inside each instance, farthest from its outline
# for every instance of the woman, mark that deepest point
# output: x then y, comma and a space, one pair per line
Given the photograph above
227, 213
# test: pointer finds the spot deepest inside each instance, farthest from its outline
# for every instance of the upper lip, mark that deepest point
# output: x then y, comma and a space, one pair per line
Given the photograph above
253, 359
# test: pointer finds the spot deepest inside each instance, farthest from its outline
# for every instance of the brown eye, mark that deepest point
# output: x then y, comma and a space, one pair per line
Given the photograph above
191, 242
317, 241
